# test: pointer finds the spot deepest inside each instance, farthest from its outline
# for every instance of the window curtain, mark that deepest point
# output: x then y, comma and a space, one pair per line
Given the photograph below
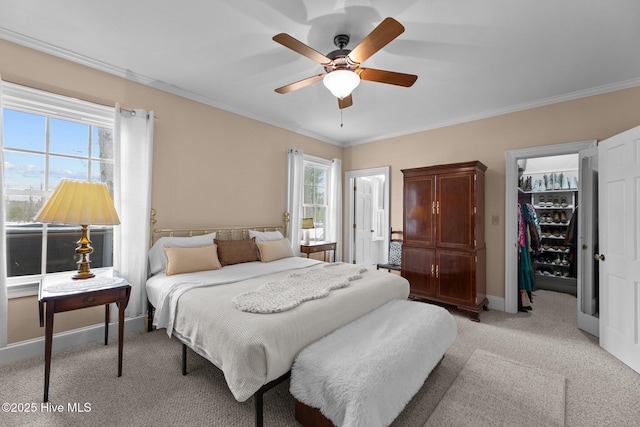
3, 246
295, 188
334, 233
132, 198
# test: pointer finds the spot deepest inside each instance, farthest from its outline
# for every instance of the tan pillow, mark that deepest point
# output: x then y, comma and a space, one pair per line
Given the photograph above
187, 260
236, 251
274, 249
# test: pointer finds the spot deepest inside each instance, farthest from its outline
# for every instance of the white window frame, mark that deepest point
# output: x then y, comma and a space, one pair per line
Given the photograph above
318, 162
34, 101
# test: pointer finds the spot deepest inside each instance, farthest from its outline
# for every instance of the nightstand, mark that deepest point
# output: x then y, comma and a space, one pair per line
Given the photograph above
315, 247
65, 295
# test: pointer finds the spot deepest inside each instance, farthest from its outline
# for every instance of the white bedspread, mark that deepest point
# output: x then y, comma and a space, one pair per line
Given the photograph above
164, 291
253, 349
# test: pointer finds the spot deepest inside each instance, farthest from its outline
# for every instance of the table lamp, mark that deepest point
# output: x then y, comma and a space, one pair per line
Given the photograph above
307, 224
80, 203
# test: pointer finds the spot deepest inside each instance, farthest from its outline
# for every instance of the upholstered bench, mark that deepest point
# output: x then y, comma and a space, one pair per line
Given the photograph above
364, 373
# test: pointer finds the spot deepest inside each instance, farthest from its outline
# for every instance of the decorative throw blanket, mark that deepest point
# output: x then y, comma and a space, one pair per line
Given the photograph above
293, 290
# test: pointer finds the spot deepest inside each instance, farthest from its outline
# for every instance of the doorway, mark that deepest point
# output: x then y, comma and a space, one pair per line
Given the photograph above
366, 216
513, 158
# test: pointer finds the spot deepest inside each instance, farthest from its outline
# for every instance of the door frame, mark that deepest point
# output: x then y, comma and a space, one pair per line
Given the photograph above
349, 216
511, 209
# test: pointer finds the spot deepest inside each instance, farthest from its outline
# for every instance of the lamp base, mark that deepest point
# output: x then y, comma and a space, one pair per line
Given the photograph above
84, 249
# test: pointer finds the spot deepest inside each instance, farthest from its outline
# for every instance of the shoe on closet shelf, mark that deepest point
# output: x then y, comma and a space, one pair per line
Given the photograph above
548, 184
563, 216
563, 202
556, 202
542, 202
556, 181
564, 182
573, 183
556, 216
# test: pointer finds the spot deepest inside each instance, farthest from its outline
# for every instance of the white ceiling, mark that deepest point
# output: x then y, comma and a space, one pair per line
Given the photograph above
473, 58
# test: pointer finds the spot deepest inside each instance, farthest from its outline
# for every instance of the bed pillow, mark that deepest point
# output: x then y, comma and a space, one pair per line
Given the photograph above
274, 249
236, 251
265, 236
188, 260
157, 258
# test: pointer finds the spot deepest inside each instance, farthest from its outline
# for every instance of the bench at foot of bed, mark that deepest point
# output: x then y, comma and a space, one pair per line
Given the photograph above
364, 373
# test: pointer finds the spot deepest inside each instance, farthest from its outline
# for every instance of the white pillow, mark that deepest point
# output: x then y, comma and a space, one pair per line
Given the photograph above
265, 236
157, 258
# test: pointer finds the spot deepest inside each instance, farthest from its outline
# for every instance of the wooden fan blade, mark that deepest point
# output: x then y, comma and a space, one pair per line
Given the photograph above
296, 45
345, 102
300, 84
389, 77
385, 32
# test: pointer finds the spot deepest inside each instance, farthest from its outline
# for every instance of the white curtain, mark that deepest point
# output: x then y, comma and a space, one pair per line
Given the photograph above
132, 188
295, 188
334, 233
3, 246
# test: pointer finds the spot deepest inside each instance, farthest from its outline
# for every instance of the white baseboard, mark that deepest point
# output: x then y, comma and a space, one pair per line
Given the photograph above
69, 339
495, 303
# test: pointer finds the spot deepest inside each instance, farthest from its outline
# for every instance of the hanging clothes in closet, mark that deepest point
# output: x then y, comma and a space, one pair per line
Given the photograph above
528, 245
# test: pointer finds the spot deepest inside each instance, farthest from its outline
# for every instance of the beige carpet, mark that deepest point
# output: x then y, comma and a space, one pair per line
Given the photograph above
600, 390
492, 390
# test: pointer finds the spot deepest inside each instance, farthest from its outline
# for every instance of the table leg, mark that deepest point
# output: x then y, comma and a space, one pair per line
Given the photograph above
121, 307
106, 324
48, 340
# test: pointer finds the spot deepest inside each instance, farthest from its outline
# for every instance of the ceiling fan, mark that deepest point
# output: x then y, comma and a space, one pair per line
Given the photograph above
342, 66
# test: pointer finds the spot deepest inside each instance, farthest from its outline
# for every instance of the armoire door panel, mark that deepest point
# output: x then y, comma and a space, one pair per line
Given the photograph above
456, 276
455, 221
419, 206
417, 267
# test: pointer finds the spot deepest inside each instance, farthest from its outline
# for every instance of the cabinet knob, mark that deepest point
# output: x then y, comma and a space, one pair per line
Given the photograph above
599, 257
89, 300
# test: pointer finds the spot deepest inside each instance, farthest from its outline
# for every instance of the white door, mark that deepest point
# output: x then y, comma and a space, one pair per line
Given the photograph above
619, 239
587, 244
363, 216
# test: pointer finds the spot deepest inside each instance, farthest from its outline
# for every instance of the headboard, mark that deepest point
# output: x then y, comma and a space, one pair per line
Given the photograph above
223, 233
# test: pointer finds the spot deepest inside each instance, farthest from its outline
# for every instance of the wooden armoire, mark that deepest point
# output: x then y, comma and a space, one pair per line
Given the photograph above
443, 253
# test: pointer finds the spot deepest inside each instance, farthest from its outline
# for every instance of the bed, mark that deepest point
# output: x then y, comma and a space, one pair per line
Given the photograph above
255, 350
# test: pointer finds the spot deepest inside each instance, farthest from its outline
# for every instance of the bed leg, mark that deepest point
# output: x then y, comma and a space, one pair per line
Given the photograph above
258, 409
149, 316
184, 359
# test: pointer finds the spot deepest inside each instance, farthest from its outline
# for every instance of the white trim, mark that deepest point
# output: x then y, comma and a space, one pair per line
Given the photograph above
349, 218
69, 339
511, 210
495, 303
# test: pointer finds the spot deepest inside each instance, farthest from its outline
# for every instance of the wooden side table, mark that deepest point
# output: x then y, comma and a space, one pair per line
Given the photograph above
315, 247
72, 295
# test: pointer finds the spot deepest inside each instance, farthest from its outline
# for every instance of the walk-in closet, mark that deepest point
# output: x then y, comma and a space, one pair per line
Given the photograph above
548, 200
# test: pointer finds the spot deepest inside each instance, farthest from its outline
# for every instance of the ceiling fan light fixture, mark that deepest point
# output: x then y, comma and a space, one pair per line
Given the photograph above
341, 82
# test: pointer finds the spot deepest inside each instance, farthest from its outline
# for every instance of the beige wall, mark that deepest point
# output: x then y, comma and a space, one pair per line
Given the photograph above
596, 117
212, 167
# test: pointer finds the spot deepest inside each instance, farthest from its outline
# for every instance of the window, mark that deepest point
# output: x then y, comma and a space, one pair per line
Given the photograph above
47, 137
315, 203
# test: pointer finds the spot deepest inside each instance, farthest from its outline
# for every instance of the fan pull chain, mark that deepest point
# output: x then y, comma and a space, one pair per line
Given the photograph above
341, 121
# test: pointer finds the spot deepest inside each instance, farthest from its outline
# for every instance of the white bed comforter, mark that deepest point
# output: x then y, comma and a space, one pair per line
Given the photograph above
253, 349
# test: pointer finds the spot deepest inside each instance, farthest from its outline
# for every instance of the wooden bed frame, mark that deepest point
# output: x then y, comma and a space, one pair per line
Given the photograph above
223, 233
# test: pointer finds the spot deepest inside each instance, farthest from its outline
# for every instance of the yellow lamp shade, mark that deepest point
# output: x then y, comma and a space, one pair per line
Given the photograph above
79, 203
